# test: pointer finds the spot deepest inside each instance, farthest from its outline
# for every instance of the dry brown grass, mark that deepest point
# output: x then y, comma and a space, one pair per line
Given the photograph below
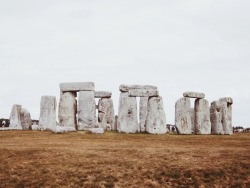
43, 159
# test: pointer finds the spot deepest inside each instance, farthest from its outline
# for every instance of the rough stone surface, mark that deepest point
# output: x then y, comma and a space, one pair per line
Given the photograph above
60, 129
67, 110
96, 131
47, 118
106, 112
192, 115
26, 121
127, 114
202, 117
183, 120
194, 95
216, 118
15, 117
126, 88
86, 110
226, 112
227, 99
143, 113
156, 118
143, 93
34, 127
103, 94
77, 86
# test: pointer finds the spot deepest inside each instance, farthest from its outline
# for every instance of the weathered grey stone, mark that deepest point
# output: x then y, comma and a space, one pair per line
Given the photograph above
25, 119
67, 110
77, 86
194, 95
143, 113
226, 112
60, 129
106, 110
216, 118
96, 130
34, 127
127, 114
15, 117
126, 88
183, 121
87, 110
47, 120
103, 94
156, 118
143, 93
227, 99
116, 122
202, 117
192, 115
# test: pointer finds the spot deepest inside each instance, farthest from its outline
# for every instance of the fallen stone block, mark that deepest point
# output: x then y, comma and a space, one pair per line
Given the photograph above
77, 86
103, 94
194, 95
126, 88
34, 127
96, 130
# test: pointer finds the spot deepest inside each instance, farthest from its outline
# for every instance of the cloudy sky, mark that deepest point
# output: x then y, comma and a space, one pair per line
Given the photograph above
177, 45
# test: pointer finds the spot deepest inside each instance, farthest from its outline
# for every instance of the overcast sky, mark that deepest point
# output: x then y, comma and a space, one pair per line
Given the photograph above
177, 45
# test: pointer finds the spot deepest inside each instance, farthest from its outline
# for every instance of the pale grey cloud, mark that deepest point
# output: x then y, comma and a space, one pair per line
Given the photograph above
176, 45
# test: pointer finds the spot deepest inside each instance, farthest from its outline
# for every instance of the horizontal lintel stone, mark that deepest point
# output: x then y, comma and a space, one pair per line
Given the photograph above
77, 86
194, 95
143, 93
126, 88
103, 94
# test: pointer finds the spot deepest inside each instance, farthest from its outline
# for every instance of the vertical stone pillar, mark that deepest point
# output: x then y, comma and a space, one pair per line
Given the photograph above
47, 120
87, 110
67, 110
182, 116
127, 114
156, 118
106, 112
216, 118
202, 117
15, 117
26, 121
226, 111
143, 113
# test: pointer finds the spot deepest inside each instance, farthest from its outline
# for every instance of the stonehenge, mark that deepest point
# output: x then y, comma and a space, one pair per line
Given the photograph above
226, 112
216, 118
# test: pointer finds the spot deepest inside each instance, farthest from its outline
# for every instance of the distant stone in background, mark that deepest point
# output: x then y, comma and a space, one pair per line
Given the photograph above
47, 118
103, 94
183, 121
143, 113
77, 86
202, 117
87, 110
67, 110
15, 117
226, 111
156, 118
25, 119
126, 88
127, 114
216, 118
106, 110
194, 95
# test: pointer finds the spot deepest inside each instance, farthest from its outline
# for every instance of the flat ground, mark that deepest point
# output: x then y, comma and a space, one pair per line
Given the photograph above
43, 159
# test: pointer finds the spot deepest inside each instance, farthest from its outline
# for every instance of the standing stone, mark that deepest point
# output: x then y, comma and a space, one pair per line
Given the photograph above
143, 113
127, 114
156, 118
202, 117
47, 120
226, 111
183, 121
192, 115
26, 121
106, 110
67, 110
216, 118
87, 110
15, 117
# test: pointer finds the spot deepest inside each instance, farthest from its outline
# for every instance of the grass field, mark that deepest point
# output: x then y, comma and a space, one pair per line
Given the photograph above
43, 159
